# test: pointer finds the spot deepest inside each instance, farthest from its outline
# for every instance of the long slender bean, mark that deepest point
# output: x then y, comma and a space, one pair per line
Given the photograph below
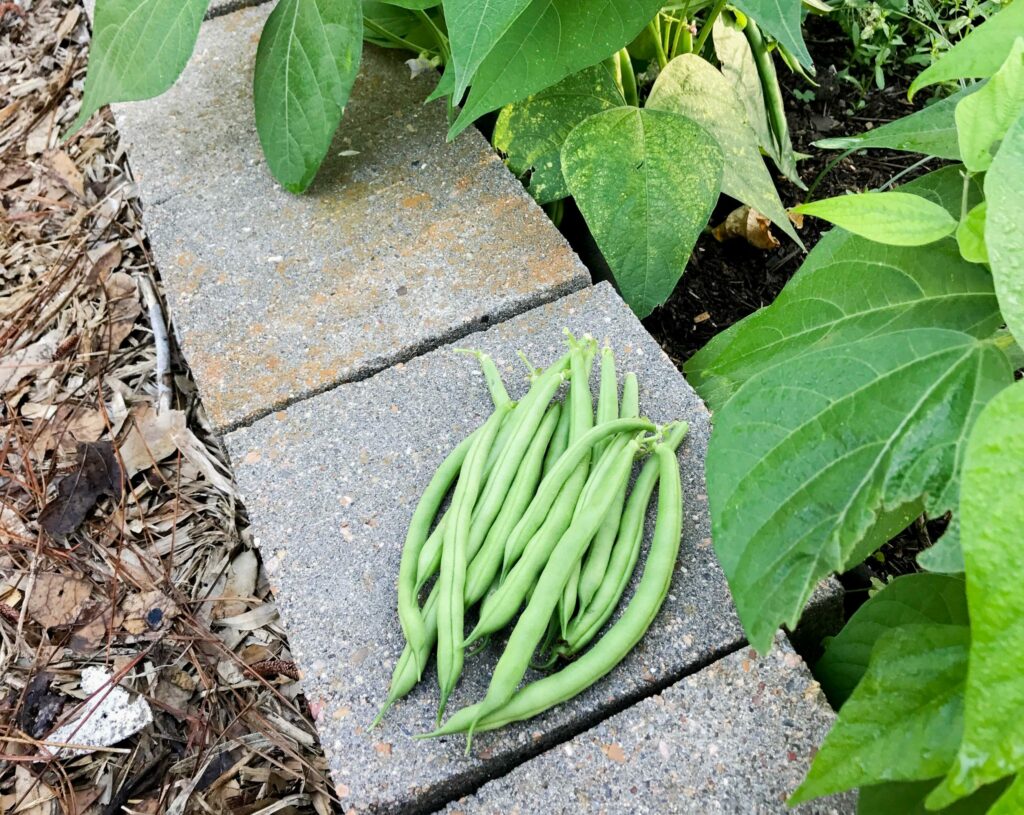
485, 563
452, 578
501, 606
559, 441
625, 552
613, 647
533, 622
495, 386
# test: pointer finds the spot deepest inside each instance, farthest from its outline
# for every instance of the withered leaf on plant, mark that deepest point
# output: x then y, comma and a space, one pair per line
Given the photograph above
97, 474
749, 224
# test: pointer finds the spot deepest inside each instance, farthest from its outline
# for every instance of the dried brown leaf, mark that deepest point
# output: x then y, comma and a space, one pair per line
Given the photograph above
97, 474
750, 225
57, 599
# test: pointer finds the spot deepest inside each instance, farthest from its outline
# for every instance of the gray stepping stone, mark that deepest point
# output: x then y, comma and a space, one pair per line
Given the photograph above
401, 244
736, 737
330, 485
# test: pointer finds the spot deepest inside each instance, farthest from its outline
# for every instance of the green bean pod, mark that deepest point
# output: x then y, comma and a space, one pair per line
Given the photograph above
559, 442
582, 406
551, 485
613, 647
495, 387
608, 394
452, 578
419, 526
533, 622
501, 606
625, 552
486, 562
596, 563
530, 413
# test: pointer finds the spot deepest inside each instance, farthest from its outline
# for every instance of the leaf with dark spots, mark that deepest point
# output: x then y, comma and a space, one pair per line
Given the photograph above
98, 473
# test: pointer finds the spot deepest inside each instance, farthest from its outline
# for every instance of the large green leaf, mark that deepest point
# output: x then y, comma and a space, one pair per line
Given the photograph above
1012, 801
1004, 226
692, 87
903, 722
945, 187
931, 131
781, 19
913, 599
979, 54
907, 798
848, 288
531, 133
896, 218
945, 555
306, 62
817, 460
970, 234
983, 118
644, 205
138, 50
548, 41
474, 28
991, 520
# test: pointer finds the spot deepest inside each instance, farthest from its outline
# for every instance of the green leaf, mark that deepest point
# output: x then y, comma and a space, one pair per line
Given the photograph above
907, 798
945, 555
1004, 226
1012, 801
983, 118
692, 87
913, 599
139, 48
904, 720
848, 288
644, 205
895, 218
737, 62
931, 131
781, 19
306, 62
548, 41
474, 28
817, 460
945, 187
531, 133
991, 520
977, 55
970, 235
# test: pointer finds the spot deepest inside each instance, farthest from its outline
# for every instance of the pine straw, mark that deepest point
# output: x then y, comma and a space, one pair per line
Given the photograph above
160, 587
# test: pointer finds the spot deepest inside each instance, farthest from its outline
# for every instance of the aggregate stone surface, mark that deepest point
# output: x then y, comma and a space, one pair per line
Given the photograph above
330, 485
403, 241
736, 737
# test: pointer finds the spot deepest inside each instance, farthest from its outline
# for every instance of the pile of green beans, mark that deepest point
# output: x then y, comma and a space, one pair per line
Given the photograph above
541, 536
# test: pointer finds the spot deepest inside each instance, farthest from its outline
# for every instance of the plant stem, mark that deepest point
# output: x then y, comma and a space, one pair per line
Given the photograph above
378, 29
705, 29
629, 92
652, 26
439, 37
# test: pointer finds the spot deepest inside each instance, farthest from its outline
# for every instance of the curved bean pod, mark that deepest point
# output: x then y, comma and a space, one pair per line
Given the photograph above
613, 647
559, 442
625, 552
552, 483
533, 622
501, 606
452, 578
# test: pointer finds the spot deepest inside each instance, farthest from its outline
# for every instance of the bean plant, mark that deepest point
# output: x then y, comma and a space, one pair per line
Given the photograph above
883, 384
643, 113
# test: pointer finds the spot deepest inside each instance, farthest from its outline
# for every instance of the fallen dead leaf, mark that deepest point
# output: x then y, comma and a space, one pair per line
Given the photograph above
147, 611
97, 474
18, 364
66, 172
124, 308
150, 439
57, 599
747, 223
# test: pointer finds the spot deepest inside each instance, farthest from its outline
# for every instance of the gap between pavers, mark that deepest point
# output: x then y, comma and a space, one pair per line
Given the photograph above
402, 243
330, 485
735, 737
